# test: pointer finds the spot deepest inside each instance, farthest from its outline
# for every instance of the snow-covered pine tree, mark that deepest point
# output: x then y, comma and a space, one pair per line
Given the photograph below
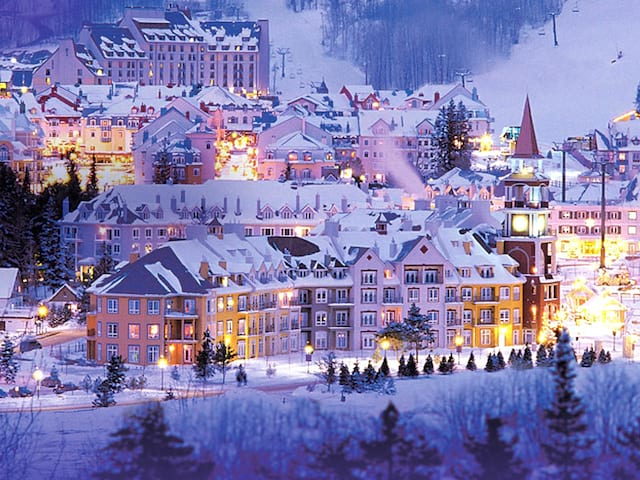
471, 364
500, 359
86, 383
104, 395
451, 363
8, 365
92, 188
384, 368
541, 357
175, 374
495, 458
418, 328
203, 367
53, 255
357, 382
428, 368
491, 363
402, 366
566, 444
344, 377
443, 368
143, 448
586, 359
518, 362
637, 102
328, 366
411, 368
512, 357
602, 357
527, 358
223, 355
369, 375
116, 374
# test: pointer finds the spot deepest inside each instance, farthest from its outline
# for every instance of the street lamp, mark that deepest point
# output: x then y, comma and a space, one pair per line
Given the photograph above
308, 350
459, 341
384, 345
43, 311
162, 363
38, 376
614, 332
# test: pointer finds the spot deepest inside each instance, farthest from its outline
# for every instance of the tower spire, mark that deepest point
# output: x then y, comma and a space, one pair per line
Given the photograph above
527, 145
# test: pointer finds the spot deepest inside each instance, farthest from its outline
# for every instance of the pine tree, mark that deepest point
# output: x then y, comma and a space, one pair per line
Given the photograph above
223, 355
86, 383
602, 357
451, 136
586, 359
369, 374
203, 368
327, 367
500, 361
175, 374
566, 444
402, 366
471, 364
105, 264
92, 188
104, 394
74, 189
8, 365
384, 368
637, 102
357, 382
395, 452
512, 358
143, 448
344, 377
491, 363
451, 363
411, 368
428, 368
527, 359
494, 457
443, 368
116, 374
541, 357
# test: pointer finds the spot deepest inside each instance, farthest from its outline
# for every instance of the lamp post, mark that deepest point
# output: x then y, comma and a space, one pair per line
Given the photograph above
384, 345
459, 341
614, 332
43, 311
38, 376
308, 350
162, 363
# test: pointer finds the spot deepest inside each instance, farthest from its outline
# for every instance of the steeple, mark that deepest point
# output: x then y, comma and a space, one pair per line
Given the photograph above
527, 145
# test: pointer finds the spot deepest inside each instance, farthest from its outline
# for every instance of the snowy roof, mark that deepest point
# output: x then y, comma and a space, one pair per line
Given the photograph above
115, 42
404, 122
8, 279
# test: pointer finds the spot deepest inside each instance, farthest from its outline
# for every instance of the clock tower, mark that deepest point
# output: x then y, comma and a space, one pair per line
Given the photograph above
525, 236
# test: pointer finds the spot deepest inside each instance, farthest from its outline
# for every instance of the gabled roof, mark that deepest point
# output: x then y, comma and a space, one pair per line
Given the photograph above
8, 279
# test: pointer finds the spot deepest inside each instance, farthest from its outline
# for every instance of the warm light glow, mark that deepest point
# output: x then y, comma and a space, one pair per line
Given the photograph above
385, 344
308, 348
162, 362
486, 142
38, 375
459, 341
520, 223
43, 311
590, 222
346, 174
227, 340
542, 337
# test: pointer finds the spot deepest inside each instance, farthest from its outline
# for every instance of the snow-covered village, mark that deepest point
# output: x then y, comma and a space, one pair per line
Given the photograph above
319, 239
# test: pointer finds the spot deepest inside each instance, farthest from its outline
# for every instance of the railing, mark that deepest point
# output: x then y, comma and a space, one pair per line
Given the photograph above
270, 328
487, 321
335, 299
486, 298
392, 299
451, 322
295, 325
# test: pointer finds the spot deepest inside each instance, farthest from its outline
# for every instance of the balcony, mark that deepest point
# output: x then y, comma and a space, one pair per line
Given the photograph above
392, 300
487, 321
300, 302
339, 300
454, 322
455, 299
91, 332
486, 298
295, 325
270, 329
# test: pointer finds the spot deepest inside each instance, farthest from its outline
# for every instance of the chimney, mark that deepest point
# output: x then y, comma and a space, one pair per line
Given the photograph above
467, 247
223, 264
157, 198
203, 204
238, 211
318, 202
65, 206
183, 195
297, 202
204, 269
133, 256
393, 248
436, 97
174, 204
258, 209
344, 204
224, 205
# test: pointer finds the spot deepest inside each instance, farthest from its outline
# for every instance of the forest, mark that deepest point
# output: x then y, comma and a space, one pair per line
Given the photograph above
429, 41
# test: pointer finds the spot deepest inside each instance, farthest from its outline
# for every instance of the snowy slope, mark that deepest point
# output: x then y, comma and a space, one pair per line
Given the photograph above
573, 88
307, 62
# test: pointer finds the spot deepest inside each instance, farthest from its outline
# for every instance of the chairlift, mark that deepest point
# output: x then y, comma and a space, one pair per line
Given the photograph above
541, 32
575, 8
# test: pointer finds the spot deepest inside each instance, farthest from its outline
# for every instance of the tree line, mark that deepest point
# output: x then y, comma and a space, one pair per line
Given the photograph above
407, 43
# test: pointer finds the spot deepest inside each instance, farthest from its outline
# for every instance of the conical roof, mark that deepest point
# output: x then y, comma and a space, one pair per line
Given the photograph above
527, 145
